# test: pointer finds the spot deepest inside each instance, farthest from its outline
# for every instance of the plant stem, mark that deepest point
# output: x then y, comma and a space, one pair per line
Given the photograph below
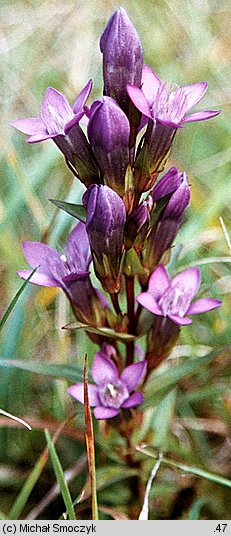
131, 318
115, 302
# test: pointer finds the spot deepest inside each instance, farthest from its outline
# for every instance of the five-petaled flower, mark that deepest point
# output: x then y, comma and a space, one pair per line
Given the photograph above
112, 391
168, 107
68, 271
172, 298
56, 115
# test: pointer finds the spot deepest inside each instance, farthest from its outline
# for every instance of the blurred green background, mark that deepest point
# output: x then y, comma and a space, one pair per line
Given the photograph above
55, 43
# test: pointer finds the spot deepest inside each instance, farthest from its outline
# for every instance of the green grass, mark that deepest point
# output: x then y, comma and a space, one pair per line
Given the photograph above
45, 43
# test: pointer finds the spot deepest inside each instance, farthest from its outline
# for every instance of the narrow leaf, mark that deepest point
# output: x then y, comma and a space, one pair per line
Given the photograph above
15, 299
78, 211
68, 372
90, 444
27, 488
197, 471
160, 384
60, 477
106, 332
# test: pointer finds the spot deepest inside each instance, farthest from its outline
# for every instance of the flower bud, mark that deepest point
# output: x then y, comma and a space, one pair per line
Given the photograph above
137, 226
122, 57
167, 220
105, 226
108, 132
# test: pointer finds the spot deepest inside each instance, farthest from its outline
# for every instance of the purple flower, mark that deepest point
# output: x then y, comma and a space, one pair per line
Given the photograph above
164, 112
56, 116
168, 107
172, 298
60, 122
108, 133
122, 57
111, 392
174, 187
136, 226
68, 271
105, 221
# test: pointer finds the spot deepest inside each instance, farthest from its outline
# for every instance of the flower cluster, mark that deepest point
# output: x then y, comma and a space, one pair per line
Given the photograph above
132, 215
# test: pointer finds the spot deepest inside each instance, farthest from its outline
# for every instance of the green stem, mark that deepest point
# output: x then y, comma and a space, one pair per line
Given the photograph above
131, 318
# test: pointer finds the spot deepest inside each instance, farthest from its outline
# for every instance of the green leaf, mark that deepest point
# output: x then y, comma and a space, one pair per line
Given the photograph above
197, 471
106, 332
132, 265
78, 211
27, 488
15, 299
60, 477
67, 372
159, 384
108, 475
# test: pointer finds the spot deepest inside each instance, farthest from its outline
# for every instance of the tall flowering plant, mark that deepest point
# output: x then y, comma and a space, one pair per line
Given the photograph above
130, 217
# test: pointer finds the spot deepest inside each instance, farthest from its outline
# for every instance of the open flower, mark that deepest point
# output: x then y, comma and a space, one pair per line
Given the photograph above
56, 115
164, 111
168, 107
172, 298
60, 122
68, 271
111, 392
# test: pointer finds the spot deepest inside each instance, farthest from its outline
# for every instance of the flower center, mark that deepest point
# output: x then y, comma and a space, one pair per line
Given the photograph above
170, 105
174, 301
113, 395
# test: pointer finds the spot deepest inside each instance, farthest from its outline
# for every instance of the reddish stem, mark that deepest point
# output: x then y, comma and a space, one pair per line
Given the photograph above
131, 318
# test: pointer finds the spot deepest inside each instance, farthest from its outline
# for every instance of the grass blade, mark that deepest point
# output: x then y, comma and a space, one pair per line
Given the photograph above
27, 488
90, 444
60, 477
15, 299
197, 471
68, 372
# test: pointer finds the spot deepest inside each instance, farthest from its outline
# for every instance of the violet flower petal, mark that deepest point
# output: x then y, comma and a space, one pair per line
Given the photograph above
193, 94
82, 97
77, 391
200, 116
151, 84
148, 301
103, 370
78, 248
38, 253
42, 136
188, 281
181, 321
134, 400
159, 281
137, 97
30, 126
203, 305
39, 278
56, 111
101, 412
133, 375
